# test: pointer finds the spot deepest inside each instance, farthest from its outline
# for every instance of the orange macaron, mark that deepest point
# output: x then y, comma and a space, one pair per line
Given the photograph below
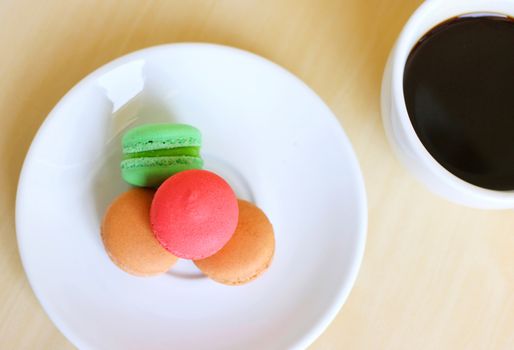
248, 253
128, 237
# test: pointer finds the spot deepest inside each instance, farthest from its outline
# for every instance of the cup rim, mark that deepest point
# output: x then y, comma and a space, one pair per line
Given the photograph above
401, 51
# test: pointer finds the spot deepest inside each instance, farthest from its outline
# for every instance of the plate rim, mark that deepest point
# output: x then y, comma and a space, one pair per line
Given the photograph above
329, 314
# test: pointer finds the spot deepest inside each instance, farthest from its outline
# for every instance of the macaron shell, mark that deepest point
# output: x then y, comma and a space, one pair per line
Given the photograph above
152, 171
248, 253
194, 214
128, 238
160, 136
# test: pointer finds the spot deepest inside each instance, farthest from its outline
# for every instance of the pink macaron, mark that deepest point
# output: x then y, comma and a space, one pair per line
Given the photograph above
194, 214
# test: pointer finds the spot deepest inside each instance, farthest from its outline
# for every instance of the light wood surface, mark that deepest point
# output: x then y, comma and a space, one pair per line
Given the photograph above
435, 275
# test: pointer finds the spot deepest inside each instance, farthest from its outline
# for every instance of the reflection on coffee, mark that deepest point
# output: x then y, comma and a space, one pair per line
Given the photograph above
459, 92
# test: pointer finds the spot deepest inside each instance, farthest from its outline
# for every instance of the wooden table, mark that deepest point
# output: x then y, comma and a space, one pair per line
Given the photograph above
435, 275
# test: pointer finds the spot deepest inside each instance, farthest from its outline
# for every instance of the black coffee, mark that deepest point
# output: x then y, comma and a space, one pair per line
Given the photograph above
459, 92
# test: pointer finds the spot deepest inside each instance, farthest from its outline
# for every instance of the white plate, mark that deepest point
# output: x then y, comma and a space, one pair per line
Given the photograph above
264, 130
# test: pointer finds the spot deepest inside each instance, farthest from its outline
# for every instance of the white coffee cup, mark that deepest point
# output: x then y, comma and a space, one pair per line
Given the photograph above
398, 127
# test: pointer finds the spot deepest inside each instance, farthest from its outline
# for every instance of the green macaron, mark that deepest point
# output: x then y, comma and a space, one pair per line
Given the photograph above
154, 152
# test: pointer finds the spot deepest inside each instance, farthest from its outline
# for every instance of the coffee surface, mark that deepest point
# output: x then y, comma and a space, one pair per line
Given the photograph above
459, 92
